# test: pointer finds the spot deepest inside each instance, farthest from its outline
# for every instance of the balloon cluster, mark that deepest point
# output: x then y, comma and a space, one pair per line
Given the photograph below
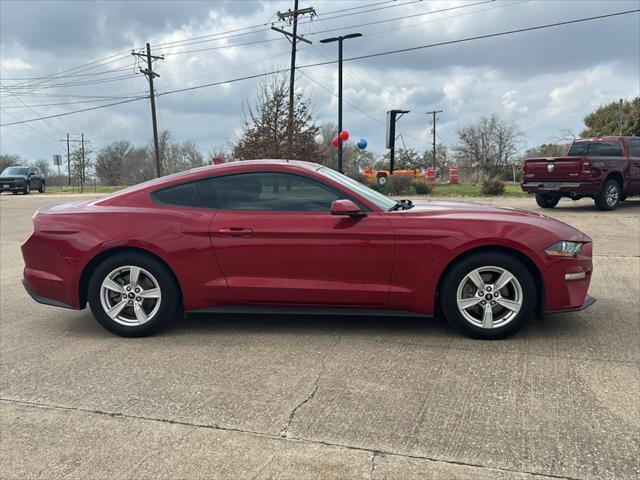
344, 136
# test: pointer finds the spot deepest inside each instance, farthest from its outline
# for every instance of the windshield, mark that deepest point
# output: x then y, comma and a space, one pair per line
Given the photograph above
15, 171
380, 200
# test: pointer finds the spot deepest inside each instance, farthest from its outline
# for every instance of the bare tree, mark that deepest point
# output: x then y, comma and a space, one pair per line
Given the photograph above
44, 166
9, 160
111, 162
264, 133
489, 144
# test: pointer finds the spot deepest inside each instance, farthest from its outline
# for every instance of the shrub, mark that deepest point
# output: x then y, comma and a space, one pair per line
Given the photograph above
398, 185
493, 187
377, 187
421, 187
359, 177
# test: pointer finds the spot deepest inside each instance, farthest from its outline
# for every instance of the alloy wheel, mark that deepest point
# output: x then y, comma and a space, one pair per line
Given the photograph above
130, 295
612, 194
489, 297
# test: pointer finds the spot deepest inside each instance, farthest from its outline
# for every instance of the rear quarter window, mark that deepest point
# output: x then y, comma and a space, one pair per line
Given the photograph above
634, 147
199, 194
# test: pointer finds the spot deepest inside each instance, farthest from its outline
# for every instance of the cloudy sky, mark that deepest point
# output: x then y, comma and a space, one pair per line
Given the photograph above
59, 57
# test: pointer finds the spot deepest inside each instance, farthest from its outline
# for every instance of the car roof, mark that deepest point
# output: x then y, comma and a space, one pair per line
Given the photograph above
203, 172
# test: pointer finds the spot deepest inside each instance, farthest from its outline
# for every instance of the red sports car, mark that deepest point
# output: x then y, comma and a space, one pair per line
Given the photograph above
290, 236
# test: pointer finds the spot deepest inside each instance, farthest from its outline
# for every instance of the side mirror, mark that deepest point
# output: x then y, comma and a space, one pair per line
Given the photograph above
346, 208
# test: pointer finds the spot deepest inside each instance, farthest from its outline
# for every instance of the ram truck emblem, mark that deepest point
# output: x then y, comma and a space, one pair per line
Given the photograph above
550, 167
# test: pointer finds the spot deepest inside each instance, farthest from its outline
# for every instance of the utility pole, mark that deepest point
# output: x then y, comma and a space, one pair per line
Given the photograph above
68, 160
340, 39
150, 74
392, 117
82, 143
621, 115
434, 112
294, 38
82, 167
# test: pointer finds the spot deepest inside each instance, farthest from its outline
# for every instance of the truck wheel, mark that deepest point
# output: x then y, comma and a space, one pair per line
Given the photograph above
547, 201
609, 196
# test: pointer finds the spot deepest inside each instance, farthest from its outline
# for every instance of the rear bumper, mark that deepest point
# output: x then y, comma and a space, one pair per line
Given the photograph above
45, 300
562, 189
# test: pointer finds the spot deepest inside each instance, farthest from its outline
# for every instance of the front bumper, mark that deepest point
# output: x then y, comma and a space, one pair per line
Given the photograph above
588, 301
562, 189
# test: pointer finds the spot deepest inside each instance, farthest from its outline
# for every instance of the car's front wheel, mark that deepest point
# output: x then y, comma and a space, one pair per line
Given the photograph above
42, 188
27, 188
488, 296
133, 295
545, 200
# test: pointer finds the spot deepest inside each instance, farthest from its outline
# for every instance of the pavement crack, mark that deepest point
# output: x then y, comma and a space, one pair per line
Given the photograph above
372, 472
284, 432
373, 452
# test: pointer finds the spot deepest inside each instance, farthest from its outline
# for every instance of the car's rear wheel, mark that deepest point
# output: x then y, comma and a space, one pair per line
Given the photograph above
133, 295
609, 196
488, 296
547, 201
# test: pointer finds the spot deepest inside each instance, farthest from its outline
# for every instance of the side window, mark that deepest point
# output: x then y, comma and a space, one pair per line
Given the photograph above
180, 195
605, 149
280, 192
200, 194
634, 147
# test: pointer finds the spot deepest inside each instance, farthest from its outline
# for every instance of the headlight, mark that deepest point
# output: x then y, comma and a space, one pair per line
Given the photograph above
564, 249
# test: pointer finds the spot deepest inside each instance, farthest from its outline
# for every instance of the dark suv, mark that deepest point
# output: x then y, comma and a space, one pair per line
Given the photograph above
22, 179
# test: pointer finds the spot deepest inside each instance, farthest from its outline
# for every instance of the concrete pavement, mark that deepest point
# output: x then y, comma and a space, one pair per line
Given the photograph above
304, 397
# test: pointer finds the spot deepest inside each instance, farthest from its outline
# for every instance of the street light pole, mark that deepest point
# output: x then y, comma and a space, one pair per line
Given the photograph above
340, 39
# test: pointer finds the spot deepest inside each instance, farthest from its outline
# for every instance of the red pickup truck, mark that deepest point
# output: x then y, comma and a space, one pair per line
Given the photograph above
606, 169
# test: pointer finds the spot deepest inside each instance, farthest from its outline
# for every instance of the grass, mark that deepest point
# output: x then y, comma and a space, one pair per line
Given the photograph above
466, 190
89, 189
445, 190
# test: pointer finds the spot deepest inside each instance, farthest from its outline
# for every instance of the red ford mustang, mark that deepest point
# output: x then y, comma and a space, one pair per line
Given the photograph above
277, 236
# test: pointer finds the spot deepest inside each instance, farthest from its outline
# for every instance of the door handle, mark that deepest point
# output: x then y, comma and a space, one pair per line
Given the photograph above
235, 231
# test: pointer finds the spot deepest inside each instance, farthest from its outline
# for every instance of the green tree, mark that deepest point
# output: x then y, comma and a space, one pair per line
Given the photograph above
606, 120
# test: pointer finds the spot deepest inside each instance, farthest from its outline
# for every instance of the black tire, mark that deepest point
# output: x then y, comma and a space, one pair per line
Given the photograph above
42, 188
545, 200
456, 276
170, 304
27, 188
609, 197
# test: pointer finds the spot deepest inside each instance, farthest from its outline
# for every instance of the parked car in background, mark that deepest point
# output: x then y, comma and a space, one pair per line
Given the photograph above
606, 169
22, 179
278, 236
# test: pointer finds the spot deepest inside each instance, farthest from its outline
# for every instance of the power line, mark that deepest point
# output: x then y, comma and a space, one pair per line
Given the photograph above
430, 12
361, 57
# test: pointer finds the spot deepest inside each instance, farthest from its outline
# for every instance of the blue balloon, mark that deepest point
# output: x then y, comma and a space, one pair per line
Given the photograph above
362, 143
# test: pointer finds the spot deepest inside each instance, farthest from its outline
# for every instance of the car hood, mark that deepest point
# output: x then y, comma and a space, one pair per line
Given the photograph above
489, 213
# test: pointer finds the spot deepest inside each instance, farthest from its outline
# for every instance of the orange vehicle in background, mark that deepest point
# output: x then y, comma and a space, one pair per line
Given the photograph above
381, 176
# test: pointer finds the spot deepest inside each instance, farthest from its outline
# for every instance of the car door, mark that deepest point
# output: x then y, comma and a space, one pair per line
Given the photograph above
277, 242
634, 167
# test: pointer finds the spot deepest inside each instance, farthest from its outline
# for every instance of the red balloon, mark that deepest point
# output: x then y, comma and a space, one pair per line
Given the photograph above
335, 142
344, 135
